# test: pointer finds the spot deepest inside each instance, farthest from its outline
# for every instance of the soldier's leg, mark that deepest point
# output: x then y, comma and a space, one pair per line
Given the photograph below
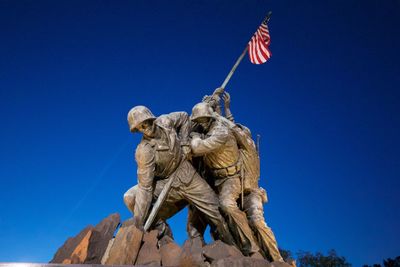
253, 206
130, 195
196, 224
129, 198
171, 205
199, 194
229, 192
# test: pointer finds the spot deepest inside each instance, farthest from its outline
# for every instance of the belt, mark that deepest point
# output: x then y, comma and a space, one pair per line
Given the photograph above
226, 172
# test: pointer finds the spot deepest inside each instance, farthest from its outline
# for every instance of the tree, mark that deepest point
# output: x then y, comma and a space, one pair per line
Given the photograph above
389, 262
286, 254
392, 263
332, 259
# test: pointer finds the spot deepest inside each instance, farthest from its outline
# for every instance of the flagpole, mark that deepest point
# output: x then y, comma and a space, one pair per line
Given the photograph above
234, 67
267, 18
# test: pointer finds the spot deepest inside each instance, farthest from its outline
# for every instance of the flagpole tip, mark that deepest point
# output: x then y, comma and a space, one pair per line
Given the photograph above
267, 18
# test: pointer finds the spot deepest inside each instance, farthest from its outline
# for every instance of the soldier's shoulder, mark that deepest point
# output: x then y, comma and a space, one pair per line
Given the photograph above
220, 128
145, 146
164, 121
167, 120
178, 113
144, 151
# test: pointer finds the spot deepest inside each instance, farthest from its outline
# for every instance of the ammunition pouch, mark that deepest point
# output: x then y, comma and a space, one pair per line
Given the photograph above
226, 172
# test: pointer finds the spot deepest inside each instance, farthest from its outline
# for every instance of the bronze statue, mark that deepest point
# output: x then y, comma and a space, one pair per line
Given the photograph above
221, 158
223, 152
161, 156
254, 196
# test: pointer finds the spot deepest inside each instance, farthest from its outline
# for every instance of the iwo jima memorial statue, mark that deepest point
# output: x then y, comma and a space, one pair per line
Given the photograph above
204, 161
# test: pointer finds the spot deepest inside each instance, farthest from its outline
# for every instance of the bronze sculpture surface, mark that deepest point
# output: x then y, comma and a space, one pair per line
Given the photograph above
161, 155
222, 162
207, 162
254, 196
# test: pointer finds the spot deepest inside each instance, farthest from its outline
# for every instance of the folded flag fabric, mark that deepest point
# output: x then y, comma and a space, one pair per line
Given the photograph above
258, 45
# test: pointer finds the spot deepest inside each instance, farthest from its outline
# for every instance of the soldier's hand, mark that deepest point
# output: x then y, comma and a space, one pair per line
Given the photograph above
227, 99
187, 152
195, 135
218, 91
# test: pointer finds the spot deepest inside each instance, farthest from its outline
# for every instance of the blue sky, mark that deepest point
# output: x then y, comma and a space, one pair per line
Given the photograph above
326, 106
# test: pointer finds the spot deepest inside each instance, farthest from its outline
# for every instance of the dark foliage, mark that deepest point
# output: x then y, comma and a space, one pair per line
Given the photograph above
389, 262
286, 254
332, 259
392, 262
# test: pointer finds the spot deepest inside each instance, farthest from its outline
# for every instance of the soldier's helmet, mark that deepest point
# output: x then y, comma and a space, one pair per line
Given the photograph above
201, 110
137, 115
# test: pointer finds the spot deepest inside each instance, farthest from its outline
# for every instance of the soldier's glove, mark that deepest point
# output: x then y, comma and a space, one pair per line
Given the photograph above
195, 135
218, 91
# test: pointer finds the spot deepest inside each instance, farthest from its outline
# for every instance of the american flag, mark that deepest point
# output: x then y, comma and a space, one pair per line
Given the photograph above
258, 45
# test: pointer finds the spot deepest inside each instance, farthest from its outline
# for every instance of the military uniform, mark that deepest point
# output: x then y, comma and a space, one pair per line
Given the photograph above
221, 159
159, 159
255, 196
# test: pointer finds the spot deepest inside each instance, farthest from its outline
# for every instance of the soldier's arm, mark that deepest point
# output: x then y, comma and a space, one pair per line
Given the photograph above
217, 139
227, 105
145, 174
145, 166
181, 123
241, 137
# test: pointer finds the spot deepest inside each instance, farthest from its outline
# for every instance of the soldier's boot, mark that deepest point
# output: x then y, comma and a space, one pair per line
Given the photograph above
193, 233
163, 229
266, 239
224, 234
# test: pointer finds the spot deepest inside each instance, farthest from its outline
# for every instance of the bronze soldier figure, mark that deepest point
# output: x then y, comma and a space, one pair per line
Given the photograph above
221, 159
254, 196
161, 154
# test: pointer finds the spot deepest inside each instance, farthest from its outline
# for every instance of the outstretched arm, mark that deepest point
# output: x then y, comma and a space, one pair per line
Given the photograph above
243, 138
227, 105
214, 100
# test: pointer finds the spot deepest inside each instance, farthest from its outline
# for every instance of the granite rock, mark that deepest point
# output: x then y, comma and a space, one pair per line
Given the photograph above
65, 252
170, 252
219, 250
283, 264
240, 262
101, 236
192, 254
126, 245
149, 254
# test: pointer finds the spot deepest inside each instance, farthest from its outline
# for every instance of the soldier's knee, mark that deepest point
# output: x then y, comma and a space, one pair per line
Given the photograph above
129, 203
259, 223
129, 198
227, 205
255, 211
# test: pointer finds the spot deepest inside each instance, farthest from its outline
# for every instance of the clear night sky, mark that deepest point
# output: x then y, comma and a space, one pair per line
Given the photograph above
327, 106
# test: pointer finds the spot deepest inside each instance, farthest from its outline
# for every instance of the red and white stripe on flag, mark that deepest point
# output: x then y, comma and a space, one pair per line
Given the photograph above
258, 45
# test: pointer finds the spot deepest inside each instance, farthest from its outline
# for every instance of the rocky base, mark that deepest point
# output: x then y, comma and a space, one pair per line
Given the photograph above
96, 245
